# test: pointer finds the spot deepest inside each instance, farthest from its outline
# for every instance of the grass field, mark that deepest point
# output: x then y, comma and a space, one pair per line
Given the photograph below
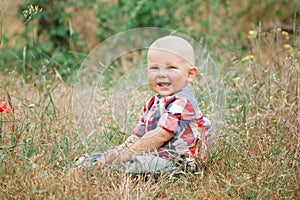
255, 156
255, 153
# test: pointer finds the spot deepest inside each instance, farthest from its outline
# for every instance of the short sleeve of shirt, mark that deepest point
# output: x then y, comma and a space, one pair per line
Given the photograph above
178, 112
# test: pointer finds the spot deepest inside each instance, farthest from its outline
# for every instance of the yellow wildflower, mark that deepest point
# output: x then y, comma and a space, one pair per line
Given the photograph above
31, 11
252, 34
285, 34
287, 46
248, 57
285, 101
290, 48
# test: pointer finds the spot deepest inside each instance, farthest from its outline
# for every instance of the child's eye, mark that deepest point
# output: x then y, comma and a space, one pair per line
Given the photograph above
172, 67
153, 68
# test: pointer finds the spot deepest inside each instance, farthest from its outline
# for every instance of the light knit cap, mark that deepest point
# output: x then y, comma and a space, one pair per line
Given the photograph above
175, 45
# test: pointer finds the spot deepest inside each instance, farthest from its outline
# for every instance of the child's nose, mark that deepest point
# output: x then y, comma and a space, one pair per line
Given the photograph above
161, 73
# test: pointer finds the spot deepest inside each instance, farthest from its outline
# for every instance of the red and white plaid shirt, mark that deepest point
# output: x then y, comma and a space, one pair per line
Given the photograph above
179, 114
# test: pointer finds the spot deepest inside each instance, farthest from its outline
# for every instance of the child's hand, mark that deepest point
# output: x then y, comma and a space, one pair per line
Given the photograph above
101, 161
125, 156
108, 157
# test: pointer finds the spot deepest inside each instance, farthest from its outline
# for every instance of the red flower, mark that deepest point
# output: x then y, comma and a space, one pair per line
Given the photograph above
2, 104
7, 110
4, 108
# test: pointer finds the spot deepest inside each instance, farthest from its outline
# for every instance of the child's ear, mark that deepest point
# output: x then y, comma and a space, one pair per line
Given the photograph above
192, 74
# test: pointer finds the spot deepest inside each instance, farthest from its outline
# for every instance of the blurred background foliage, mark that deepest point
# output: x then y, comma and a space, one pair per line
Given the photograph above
55, 41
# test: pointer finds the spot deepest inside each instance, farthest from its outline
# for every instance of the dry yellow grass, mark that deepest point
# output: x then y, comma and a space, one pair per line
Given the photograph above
255, 156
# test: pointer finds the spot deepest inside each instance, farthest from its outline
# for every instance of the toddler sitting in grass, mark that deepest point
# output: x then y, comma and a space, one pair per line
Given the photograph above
172, 133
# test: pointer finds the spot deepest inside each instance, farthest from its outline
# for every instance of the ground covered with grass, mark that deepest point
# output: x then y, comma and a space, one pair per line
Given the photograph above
255, 153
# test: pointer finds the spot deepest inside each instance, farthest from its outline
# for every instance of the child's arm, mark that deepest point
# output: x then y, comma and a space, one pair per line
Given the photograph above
111, 156
149, 142
128, 142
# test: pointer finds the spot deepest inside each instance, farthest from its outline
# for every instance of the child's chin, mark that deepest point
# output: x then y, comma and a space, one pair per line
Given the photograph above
165, 93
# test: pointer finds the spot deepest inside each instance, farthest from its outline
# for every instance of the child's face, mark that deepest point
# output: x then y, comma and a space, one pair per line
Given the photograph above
168, 73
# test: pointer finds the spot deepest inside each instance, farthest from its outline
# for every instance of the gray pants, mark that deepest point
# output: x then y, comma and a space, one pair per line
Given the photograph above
139, 163
148, 163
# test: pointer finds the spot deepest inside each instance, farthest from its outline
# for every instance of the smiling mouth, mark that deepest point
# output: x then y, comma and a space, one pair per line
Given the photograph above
163, 84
